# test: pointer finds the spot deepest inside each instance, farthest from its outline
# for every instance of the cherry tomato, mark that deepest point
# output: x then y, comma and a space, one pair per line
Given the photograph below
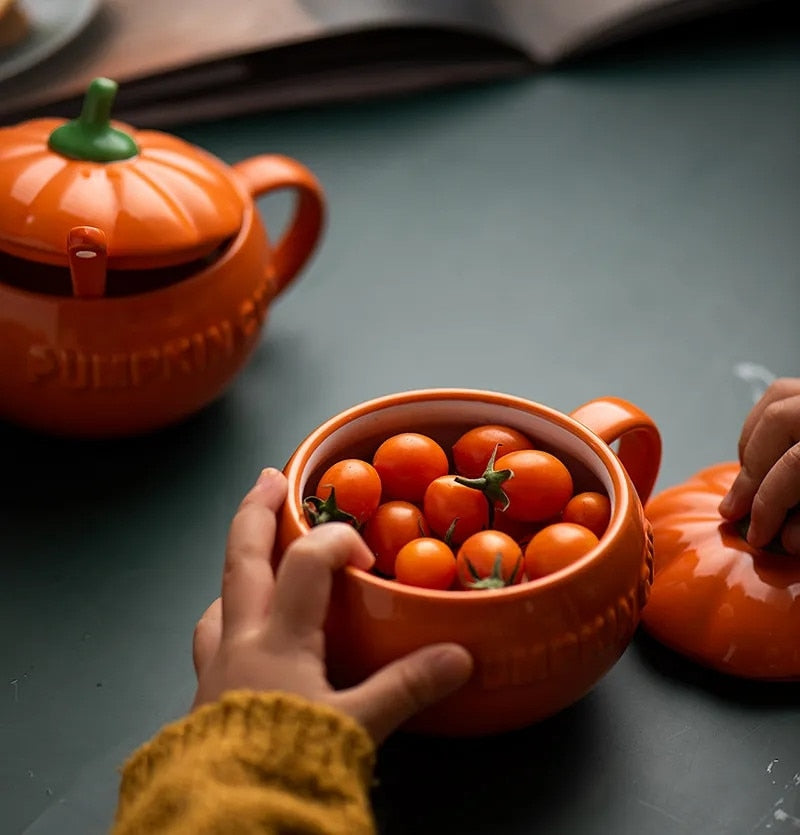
356, 485
446, 501
407, 463
556, 547
489, 560
426, 562
590, 509
540, 487
471, 452
392, 525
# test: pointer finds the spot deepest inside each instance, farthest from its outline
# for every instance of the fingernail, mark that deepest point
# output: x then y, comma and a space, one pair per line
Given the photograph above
726, 505
267, 476
365, 559
343, 538
755, 536
453, 664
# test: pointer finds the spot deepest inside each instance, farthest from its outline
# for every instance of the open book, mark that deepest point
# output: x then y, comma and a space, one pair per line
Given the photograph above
190, 60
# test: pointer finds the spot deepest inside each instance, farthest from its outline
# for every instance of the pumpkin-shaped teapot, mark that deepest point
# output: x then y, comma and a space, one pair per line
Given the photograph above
135, 271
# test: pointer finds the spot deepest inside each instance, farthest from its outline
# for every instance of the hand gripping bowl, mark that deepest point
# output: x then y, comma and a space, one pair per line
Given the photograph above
135, 272
539, 646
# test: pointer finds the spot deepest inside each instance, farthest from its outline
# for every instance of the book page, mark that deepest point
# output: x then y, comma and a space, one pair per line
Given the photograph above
186, 59
136, 38
550, 30
179, 49
545, 30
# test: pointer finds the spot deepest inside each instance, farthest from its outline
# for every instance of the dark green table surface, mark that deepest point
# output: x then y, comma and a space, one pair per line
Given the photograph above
627, 226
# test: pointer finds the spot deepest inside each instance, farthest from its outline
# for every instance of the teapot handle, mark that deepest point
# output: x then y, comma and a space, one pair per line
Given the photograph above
614, 419
271, 172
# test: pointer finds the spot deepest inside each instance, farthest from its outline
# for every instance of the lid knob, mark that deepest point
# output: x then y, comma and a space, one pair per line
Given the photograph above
90, 137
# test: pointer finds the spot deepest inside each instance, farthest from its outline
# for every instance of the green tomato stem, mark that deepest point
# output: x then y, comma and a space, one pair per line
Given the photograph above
495, 579
318, 511
490, 484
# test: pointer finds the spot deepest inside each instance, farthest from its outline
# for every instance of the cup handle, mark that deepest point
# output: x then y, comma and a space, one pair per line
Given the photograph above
271, 172
614, 419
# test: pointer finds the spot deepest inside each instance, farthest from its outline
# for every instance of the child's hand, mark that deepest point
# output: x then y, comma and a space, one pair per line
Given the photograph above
266, 633
768, 485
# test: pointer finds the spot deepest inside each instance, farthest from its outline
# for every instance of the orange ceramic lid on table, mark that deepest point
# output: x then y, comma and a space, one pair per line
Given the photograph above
155, 199
715, 598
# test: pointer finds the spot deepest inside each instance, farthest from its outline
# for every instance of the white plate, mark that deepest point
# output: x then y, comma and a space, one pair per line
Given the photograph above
53, 24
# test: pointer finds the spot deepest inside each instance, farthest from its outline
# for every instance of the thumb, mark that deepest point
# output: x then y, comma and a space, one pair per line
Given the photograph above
207, 635
403, 688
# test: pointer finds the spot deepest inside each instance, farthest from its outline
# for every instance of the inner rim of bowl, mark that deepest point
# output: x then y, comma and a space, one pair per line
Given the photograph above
549, 429
403, 418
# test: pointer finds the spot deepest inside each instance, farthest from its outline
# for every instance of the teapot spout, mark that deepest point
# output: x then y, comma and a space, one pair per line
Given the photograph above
86, 249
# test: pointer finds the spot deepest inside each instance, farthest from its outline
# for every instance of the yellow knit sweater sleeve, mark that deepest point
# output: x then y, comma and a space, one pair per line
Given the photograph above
251, 763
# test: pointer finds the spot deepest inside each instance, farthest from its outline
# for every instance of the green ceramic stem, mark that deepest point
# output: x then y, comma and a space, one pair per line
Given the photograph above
90, 137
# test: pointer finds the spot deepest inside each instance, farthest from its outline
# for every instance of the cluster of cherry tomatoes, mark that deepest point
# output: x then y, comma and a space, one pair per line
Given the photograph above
504, 512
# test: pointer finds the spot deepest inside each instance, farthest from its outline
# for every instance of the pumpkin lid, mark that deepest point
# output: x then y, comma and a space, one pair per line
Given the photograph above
158, 199
714, 597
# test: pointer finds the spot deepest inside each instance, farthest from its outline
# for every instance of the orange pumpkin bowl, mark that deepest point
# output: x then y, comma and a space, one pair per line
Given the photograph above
539, 646
135, 272
716, 599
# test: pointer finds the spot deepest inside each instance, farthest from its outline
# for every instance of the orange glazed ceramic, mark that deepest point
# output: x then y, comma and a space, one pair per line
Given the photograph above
715, 598
539, 646
135, 272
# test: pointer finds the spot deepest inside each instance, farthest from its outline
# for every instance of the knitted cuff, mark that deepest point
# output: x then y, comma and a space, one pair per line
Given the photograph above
262, 738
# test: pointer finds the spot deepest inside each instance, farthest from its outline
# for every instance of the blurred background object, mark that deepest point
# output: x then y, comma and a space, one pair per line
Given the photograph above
187, 62
13, 23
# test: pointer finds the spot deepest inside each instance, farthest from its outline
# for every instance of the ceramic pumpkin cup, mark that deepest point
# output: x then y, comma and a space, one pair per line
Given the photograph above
715, 598
135, 271
538, 646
